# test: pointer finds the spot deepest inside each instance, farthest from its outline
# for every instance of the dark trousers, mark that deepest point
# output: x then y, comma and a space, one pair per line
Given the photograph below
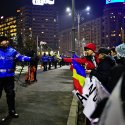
7, 84
49, 66
45, 66
35, 73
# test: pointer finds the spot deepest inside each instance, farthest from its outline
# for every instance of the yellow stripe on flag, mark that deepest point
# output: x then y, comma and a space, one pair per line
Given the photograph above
81, 79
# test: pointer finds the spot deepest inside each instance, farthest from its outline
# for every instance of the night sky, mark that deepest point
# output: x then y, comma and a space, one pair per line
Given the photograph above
8, 7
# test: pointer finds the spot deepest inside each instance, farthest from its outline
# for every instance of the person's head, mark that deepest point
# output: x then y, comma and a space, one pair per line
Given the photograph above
113, 51
90, 49
4, 42
44, 54
120, 50
103, 52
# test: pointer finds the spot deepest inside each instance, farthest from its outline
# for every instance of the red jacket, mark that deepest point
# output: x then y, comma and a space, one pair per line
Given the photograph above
86, 61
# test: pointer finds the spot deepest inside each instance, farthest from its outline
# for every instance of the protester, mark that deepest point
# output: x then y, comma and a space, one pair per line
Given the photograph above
90, 60
117, 73
119, 69
104, 67
114, 55
8, 58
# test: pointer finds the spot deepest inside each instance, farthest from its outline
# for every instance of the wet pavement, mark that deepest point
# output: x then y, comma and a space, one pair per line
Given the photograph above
46, 102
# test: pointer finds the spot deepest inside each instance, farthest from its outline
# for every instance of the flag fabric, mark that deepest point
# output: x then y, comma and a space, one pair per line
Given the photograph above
88, 91
93, 92
79, 76
113, 112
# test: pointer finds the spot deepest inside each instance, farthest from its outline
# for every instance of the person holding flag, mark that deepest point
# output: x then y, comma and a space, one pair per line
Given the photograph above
90, 60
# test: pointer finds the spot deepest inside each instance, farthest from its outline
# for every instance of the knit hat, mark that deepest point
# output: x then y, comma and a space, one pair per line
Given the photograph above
2, 38
90, 46
121, 50
103, 51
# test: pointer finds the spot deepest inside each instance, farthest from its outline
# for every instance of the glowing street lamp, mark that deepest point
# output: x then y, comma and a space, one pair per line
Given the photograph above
78, 16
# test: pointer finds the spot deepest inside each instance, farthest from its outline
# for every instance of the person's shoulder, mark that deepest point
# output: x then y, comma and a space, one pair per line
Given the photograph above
11, 48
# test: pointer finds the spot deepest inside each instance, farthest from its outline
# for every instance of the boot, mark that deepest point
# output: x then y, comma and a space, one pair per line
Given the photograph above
13, 114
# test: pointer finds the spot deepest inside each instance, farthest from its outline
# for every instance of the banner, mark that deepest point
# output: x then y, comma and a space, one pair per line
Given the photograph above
93, 92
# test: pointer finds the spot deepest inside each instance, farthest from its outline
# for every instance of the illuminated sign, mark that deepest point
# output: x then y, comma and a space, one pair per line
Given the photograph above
114, 1
42, 2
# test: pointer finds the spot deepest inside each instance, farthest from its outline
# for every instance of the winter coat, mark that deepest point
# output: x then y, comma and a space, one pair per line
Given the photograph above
44, 58
86, 61
8, 58
103, 70
115, 74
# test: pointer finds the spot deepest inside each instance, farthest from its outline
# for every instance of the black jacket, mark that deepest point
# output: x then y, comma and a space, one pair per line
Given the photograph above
103, 70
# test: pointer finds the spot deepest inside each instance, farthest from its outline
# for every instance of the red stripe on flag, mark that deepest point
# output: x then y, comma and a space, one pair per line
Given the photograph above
77, 85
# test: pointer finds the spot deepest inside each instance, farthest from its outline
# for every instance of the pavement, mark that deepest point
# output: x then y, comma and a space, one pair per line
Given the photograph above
25, 69
49, 101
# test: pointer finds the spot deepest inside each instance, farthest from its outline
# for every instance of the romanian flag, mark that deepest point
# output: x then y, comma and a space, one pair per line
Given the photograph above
79, 76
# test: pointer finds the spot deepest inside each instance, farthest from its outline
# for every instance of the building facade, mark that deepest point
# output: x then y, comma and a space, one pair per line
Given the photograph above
39, 23
8, 27
105, 31
91, 31
114, 22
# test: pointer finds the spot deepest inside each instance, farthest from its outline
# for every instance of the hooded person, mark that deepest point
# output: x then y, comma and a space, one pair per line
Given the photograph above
90, 60
90, 46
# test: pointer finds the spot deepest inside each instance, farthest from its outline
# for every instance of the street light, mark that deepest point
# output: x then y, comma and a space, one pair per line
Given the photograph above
78, 15
73, 26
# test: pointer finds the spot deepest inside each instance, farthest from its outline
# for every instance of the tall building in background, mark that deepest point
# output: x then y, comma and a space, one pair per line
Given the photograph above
39, 23
105, 31
8, 27
90, 31
114, 22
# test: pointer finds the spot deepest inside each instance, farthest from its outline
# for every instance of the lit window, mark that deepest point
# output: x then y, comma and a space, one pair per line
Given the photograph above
113, 34
54, 20
107, 36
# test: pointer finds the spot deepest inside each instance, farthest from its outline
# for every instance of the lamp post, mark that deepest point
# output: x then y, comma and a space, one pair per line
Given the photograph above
73, 26
78, 16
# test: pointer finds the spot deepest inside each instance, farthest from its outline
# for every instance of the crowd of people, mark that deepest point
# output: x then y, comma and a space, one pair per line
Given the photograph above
51, 60
107, 65
8, 59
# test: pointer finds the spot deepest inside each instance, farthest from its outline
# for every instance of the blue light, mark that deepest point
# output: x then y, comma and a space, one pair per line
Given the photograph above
114, 1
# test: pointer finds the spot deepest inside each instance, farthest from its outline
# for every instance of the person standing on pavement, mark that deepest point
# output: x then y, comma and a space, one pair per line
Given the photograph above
90, 60
8, 58
55, 60
44, 61
49, 61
